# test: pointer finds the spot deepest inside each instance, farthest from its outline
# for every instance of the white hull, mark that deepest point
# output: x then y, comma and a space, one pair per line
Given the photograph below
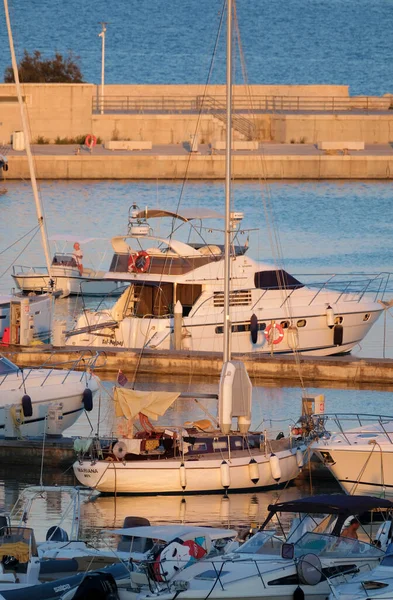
46, 389
69, 282
163, 476
315, 339
360, 470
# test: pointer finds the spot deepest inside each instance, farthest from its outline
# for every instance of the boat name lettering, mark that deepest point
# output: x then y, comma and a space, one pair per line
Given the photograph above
87, 470
110, 342
62, 588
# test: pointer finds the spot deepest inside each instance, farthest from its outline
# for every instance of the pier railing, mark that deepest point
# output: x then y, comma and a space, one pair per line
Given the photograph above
241, 104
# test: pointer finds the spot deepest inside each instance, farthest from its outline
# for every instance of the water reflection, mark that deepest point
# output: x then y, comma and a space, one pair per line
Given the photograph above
100, 514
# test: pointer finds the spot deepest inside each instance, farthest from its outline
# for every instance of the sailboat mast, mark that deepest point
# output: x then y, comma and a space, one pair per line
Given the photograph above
27, 143
228, 175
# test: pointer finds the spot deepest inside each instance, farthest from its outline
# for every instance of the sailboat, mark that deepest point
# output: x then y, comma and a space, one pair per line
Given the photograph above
46, 400
202, 456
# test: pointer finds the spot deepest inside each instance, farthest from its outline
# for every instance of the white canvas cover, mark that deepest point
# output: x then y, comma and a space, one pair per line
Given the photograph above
153, 404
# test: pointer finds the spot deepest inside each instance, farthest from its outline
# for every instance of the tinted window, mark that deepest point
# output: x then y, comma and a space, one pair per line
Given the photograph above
273, 280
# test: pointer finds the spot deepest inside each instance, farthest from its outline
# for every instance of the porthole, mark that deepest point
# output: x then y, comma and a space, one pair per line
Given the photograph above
301, 323
338, 320
284, 324
366, 317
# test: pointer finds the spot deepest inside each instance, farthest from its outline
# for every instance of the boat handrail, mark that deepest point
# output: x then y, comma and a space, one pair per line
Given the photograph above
17, 269
357, 286
372, 419
86, 367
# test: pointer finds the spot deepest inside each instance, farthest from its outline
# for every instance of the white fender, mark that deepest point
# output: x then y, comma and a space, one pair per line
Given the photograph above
330, 317
244, 424
183, 476
120, 450
225, 475
253, 470
292, 337
299, 458
275, 466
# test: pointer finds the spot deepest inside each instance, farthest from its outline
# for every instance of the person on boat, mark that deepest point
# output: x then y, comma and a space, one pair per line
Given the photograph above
78, 257
350, 529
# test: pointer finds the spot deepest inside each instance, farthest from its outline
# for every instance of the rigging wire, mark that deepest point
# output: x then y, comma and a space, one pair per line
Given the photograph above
20, 253
272, 229
18, 240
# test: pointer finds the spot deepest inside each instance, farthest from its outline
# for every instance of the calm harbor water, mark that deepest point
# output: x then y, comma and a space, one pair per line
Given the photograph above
294, 42
324, 227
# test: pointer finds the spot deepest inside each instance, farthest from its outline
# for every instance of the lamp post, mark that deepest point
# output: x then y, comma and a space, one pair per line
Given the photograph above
102, 36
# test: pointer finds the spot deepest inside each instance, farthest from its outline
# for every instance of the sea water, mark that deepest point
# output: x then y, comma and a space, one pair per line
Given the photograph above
295, 42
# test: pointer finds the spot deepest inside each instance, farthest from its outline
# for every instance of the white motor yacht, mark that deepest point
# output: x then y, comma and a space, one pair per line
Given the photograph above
306, 563
174, 297
358, 451
43, 400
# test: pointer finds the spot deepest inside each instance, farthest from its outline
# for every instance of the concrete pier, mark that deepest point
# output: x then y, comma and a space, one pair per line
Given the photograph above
333, 371
173, 161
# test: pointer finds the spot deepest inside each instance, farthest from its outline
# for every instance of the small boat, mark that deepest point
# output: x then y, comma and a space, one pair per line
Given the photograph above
25, 320
68, 275
300, 558
34, 402
359, 452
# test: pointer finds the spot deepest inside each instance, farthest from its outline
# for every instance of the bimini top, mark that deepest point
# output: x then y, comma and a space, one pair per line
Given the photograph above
187, 214
168, 533
335, 504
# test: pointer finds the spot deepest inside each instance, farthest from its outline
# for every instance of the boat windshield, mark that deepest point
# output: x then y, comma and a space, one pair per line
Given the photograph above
263, 542
331, 546
6, 366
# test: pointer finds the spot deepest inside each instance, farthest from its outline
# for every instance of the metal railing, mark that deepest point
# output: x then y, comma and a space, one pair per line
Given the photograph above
241, 104
366, 421
85, 363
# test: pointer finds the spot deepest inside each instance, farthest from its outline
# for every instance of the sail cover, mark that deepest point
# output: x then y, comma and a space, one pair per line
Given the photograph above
129, 403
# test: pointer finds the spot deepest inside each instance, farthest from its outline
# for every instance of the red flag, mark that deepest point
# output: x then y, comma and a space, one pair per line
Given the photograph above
121, 378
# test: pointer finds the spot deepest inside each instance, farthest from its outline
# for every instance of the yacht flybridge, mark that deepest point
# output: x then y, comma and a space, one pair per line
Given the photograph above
174, 297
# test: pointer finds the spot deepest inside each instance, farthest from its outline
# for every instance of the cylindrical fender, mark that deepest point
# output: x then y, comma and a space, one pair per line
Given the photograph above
292, 337
254, 328
225, 475
87, 399
275, 467
330, 317
27, 406
253, 470
183, 476
299, 458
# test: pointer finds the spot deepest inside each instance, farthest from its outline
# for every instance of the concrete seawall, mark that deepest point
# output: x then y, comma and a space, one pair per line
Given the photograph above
270, 161
342, 371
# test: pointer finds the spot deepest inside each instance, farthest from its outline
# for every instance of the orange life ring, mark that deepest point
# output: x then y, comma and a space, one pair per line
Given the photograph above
274, 333
90, 140
139, 262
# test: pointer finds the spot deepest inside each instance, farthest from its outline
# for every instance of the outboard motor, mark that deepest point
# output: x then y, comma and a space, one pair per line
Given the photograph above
56, 534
